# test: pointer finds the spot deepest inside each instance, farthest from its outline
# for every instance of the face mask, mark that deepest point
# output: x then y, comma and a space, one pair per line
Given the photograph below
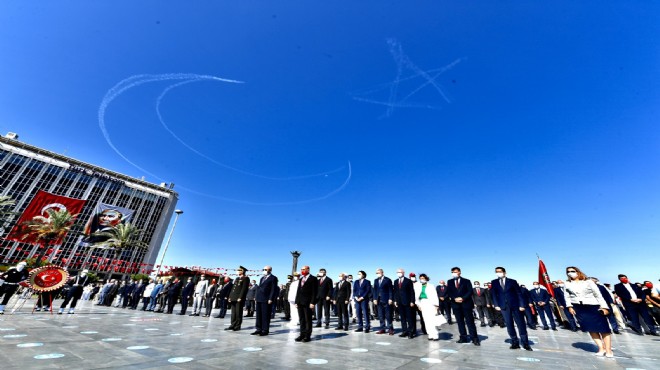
561, 285
454, 274
572, 275
203, 278
321, 274
422, 281
476, 285
413, 279
379, 275
649, 285
624, 280
360, 277
442, 284
536, 286
265, 272
304, 272
350, 280
399, 274
499, 274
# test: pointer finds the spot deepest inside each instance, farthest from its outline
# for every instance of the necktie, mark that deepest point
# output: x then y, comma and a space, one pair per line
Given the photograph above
321, 281
400, 281
302, 283
478, 292
456, 281
502, 282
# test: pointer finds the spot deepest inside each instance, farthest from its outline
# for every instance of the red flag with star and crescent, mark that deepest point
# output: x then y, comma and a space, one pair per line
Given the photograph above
544, 278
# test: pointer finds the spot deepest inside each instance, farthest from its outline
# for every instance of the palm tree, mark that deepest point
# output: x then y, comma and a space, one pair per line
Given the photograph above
6, 202
48, 230
119, 239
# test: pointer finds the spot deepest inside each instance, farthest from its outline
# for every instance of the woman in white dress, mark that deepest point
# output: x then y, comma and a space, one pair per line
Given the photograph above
426, 299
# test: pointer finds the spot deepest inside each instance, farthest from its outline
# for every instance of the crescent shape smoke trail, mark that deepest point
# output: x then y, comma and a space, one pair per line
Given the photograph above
192, 149
141, 79
137, 80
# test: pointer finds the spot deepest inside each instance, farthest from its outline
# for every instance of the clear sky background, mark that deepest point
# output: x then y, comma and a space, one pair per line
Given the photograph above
422, 135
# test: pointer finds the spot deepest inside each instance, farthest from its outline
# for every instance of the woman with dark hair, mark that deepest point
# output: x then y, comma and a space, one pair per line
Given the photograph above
427, 301
584, 300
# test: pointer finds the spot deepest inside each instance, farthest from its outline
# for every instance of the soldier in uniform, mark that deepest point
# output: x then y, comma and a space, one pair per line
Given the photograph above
237, 299
9, 281
75, 291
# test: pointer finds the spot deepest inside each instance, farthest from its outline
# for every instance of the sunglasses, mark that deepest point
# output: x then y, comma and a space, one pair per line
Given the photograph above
569, 271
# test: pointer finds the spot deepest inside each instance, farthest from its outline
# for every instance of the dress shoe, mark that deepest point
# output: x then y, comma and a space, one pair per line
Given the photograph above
380, 331
655, 334
317, 325
527, 347
546, 328
476, 342
236, 329
411, 336
180, 313
299, 339
483, 324
491, 325
338, 328
366, 330
264, 334
327, 326
229, 328
307, 340
358, 330
616, 331
450, 322
515, 346
403, 335
390, 332
256, 333
462, 340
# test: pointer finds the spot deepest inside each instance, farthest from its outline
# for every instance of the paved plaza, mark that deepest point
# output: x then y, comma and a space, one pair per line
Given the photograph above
114, 338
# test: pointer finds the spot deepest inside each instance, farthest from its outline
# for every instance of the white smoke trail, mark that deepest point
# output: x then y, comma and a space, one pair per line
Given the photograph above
192, 149
137, 80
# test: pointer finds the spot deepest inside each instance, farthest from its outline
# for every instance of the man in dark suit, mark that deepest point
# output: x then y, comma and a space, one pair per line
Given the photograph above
306, 296
223, 297
361, 295
479, 298
404, 300
237, 299
341, 298
186, 295
323, 299
173, 294
382, 296
460, 292
633, 299
267, 291
561, 302
445, 302
532, 322
127, 294
541, 299
508, 299
137, 294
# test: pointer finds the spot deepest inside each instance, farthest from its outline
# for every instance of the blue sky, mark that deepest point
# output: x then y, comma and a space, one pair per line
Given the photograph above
420, 135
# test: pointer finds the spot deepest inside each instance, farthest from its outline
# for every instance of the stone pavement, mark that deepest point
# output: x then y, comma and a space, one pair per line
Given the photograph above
114, 338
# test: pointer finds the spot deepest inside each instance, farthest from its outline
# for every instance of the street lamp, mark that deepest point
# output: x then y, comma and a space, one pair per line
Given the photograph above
178, 213
295, 255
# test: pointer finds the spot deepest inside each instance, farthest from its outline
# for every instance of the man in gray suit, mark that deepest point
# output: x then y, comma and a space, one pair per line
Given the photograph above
479, 298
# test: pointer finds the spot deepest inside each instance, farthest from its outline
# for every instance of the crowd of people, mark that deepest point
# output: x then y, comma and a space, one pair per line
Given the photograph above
307, 300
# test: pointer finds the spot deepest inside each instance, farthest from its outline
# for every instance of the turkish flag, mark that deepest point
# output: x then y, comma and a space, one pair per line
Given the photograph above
544, 279
39, 206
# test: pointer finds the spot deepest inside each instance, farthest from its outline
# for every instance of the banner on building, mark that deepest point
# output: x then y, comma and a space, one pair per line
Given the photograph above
39, 206
104, 218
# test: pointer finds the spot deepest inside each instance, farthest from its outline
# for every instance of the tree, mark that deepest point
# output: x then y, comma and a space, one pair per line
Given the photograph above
48, 230
6, 202
119, 239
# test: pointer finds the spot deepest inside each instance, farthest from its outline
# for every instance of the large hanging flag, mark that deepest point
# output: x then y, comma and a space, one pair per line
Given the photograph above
544, 279
39, 206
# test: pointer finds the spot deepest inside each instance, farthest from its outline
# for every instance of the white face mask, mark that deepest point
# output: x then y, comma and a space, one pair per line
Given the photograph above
265, 272
560, 285
399, 274
454, 274
536, 286
361, 277
572, 275
413, 279
379, 275
422, 281
499, 274
321, 274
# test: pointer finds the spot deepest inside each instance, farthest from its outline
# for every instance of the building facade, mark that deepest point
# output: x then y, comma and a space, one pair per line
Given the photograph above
25, 169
